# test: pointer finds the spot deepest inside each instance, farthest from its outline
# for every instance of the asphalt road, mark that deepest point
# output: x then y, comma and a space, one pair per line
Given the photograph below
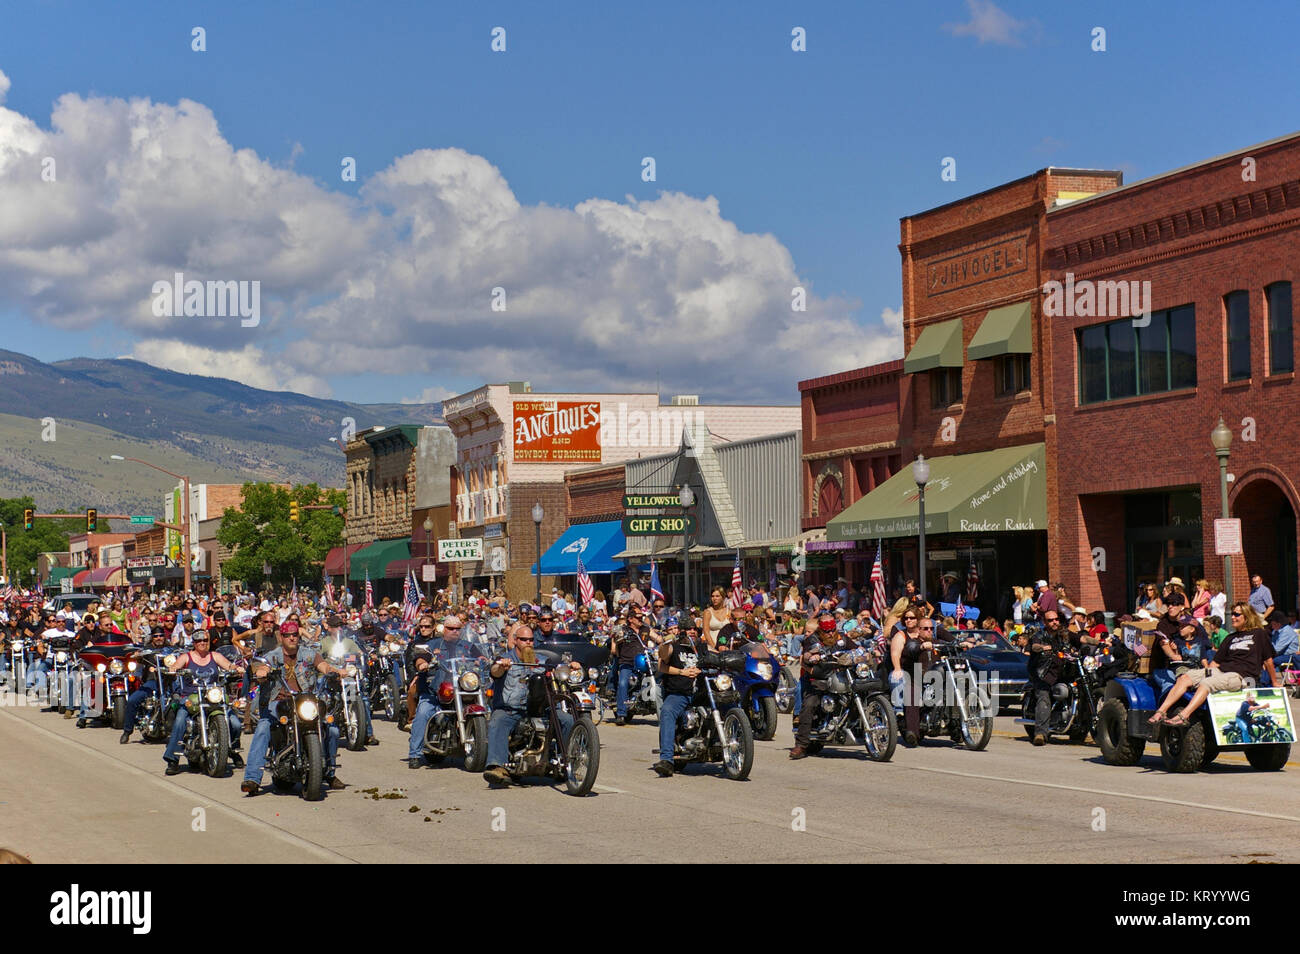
69, 795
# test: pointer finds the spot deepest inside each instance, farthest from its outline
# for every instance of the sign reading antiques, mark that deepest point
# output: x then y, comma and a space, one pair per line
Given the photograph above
649, 501
549, 431
460, 551
658, 526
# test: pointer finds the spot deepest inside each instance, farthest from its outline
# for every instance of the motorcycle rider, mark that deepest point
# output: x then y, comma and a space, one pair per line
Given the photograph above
335, 633
148, 685
678, 665
301, 670
629, 644
431, 667
198, 661
827, 642
1045, 668
510, 700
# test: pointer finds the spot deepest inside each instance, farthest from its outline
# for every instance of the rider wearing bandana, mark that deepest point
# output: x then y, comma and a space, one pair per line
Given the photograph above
828, 642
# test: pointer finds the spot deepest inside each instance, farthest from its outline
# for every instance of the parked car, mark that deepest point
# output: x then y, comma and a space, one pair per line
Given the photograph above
995, 661
77, 601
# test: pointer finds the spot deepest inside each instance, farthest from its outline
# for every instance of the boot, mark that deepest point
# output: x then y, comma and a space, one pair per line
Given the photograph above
798, 752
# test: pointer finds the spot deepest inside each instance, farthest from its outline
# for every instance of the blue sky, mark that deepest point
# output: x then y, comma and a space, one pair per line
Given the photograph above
823, 150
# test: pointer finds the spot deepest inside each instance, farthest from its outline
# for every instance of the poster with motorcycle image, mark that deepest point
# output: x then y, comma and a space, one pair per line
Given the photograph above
1252, 715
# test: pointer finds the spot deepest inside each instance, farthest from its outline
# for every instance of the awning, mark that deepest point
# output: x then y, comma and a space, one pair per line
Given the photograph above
58, 573
938, 347
375, 557
596, 543
992, 491
1005, 330
101, 576
336, 563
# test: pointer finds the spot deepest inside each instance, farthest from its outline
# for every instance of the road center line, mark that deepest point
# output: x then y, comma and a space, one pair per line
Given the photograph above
161, 782
1098, 791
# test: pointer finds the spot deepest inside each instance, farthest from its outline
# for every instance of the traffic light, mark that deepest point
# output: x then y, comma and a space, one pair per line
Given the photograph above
293, 511
92, 520
29, 515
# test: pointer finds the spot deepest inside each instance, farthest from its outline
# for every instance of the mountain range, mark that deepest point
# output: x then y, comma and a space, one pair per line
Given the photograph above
210, 429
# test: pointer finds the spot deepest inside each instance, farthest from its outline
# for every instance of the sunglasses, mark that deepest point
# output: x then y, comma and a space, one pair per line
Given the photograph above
1238, 614
905, 618
523, 639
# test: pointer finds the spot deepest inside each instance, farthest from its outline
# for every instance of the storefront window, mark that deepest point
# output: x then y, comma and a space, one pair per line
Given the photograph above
1120, 360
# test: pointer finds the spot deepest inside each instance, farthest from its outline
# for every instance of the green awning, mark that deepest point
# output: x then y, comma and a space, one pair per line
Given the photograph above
58, 573
989, 492
375, 558
938, 347
1005, 330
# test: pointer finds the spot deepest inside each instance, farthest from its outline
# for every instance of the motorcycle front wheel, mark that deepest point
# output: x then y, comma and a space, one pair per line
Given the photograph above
476, 743
880, 734
313, 782
975, 733
390, 697
762, 717
737, 745
119, 712
218, 753
356, 725
583, 754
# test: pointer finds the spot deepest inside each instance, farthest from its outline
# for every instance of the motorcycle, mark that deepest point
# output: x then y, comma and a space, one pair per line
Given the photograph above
535, 744
460, 724
346, 695
385, 683
854, 709
60, 660
757, 684
296, 753
113, 666
157, 712
948, 710
1075, 697
644, 694
206, 742
704, 733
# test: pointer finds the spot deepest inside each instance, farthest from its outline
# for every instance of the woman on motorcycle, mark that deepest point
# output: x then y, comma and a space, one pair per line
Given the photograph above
199, 661
716, 616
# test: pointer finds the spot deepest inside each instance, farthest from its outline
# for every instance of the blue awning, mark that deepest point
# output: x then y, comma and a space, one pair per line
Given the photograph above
596, 543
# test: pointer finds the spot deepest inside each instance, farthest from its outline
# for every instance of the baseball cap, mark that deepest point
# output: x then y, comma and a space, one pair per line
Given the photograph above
1041, 583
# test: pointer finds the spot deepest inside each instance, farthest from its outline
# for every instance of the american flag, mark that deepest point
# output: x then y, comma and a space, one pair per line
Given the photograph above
960, 613
293, 596
370, 592
972, 584
656, 591
586, 592
329, 591
737, 590
878, 599
410, 598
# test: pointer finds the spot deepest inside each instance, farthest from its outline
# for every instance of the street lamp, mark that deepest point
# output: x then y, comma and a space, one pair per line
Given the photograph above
428, 555
185, 510
538, 514
921, 474
1221, 438
686, 497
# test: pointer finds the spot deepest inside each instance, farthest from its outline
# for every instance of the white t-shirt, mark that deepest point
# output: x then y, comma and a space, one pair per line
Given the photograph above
56, 633
1219, 606
266, 606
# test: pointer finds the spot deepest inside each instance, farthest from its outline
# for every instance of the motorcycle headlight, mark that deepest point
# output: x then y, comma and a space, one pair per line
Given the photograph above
115, 667
469, 682
1089, 663
383, 649
308, 710
351, 670
592, 673
765, 670
215, 695
862, 670
167, 660
132, 666
723, 682
100, 667
337, 651
575, 676
60, 657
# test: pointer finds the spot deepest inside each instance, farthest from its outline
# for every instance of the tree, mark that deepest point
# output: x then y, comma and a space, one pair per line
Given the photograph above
26, 546
260, 532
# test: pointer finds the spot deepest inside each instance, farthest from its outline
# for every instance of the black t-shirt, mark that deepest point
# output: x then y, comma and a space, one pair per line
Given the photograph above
220, 637
1166, 641
683, 655
1245, 653
629, 645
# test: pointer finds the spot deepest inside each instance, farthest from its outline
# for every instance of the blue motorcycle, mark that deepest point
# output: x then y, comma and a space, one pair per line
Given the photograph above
757, 683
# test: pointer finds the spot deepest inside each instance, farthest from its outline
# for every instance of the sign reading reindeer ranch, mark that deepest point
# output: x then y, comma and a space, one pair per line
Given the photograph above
551, 431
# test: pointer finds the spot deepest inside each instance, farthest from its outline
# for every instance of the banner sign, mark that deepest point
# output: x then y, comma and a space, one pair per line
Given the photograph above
460, 551
158, 560
649, 501
553, 431
658, 526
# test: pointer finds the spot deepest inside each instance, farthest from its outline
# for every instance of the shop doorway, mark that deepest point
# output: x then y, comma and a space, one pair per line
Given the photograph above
1162, 537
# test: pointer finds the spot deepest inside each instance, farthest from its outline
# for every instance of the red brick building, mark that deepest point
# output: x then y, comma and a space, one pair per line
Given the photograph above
1138, 481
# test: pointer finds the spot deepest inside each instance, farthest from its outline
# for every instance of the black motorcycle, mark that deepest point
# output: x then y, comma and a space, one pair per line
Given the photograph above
854, 709
459, 726
535, 744
157, 712
952, 704
206, 742
714, 728
1076, 700
297, 752
384, 683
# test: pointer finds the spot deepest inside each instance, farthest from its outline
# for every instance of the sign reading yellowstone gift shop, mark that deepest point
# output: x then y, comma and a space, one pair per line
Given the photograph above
556, 431
987, 492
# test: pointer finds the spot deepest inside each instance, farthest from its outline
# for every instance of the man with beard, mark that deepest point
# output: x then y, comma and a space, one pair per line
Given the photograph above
510, 674
432, 668
827, 643
300, 672
1045, 668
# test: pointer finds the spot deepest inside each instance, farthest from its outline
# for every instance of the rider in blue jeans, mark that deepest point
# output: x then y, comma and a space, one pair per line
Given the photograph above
678, 664
198, 662
510, 701
300, 671
432, 666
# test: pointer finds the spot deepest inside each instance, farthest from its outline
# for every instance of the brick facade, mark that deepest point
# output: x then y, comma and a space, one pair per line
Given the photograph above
595, 494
